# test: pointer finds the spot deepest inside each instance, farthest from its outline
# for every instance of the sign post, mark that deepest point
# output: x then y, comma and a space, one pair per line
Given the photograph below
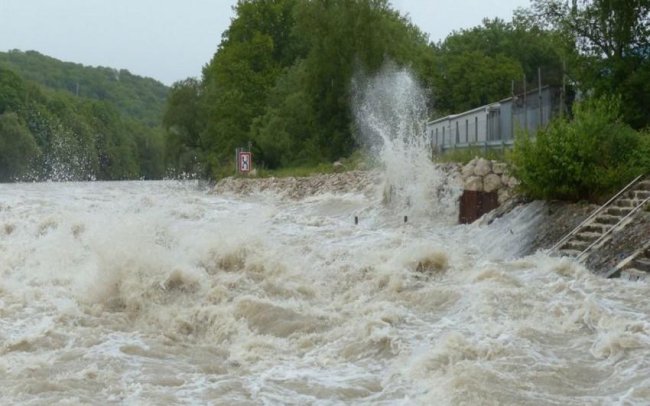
244, 161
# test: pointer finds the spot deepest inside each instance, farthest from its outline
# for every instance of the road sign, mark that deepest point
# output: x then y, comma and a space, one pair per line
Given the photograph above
245, 162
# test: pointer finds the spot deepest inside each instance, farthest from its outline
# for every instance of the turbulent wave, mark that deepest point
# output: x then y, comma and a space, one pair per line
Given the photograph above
160, 293
390, 112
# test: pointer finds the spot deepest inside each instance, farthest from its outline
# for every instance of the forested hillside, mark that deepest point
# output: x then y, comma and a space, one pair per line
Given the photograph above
47, 131
142, 99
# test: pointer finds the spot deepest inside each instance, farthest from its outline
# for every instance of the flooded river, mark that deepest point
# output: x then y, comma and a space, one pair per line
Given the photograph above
163, 293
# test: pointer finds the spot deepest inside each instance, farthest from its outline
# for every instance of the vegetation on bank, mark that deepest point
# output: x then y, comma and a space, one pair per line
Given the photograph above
588, 157
606, 141
47, 131
282, 80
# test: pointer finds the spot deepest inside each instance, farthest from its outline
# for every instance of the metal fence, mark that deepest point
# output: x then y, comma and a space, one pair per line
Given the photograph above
495, 125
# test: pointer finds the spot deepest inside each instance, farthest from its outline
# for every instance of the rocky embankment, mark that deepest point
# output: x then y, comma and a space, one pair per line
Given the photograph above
482, 175
298, 188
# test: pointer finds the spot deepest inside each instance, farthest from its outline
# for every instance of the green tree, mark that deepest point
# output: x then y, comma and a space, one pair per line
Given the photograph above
471, 79
18, 149
116, 151
347, 37
477, 66
183, 127
613, 41
254, 50
12, 91
283, 135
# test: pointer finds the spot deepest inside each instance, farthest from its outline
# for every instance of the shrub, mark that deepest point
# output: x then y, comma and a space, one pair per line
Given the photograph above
588, 157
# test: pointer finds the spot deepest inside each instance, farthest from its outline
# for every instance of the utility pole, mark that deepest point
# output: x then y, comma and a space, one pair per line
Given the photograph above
512, 109
525, 107
563, 91
539, 91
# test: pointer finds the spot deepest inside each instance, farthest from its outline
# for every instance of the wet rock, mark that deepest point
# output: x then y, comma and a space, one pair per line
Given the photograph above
492, 183
468, 170
298, 188
474, 183
504, 194
483, 167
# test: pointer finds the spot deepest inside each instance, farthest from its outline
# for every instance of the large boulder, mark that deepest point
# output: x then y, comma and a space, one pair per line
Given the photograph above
483, 167
504, 195
468, 170
491, 183
474, 183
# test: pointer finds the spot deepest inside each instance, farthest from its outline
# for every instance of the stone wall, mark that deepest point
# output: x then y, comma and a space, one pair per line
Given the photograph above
482, 175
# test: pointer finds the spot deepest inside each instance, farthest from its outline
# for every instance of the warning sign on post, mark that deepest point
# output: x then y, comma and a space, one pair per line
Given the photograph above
245, 162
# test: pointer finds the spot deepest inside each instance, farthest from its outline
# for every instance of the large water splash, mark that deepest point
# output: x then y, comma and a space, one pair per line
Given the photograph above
391, 111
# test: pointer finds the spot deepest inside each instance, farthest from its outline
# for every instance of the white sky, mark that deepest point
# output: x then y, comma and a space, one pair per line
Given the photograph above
171, 40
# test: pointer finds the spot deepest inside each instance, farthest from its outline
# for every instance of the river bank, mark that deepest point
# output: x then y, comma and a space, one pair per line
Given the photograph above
556, 218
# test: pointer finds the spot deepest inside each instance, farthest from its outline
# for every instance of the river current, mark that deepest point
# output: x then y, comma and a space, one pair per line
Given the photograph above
155, 293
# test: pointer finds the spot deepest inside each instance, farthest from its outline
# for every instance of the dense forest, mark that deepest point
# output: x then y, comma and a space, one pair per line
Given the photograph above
282, 80
282, 76
64, 121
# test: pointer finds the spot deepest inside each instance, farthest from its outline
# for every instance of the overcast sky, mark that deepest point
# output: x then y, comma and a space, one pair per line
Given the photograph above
171, 40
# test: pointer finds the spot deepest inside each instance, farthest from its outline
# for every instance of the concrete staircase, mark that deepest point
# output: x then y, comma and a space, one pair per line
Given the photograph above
599, 227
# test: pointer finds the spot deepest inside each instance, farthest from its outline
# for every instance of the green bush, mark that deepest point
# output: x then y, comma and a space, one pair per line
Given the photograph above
588, 157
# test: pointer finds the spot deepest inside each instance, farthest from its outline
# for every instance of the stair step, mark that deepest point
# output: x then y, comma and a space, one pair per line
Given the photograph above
632, 274
641, 194
625, 202
576, 245
587, 236
643, 185
595, 228
642, 264
618, 211
567, 252
616, 214
607, 219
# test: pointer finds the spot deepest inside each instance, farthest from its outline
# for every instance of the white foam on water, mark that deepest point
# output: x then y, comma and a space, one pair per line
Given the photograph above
161, 293
390, 112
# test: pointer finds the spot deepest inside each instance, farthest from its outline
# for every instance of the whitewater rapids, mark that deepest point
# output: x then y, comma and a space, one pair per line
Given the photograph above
155, 293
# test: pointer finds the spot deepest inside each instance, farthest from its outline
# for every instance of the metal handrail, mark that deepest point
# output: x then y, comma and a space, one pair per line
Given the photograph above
611, 229
595, 213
